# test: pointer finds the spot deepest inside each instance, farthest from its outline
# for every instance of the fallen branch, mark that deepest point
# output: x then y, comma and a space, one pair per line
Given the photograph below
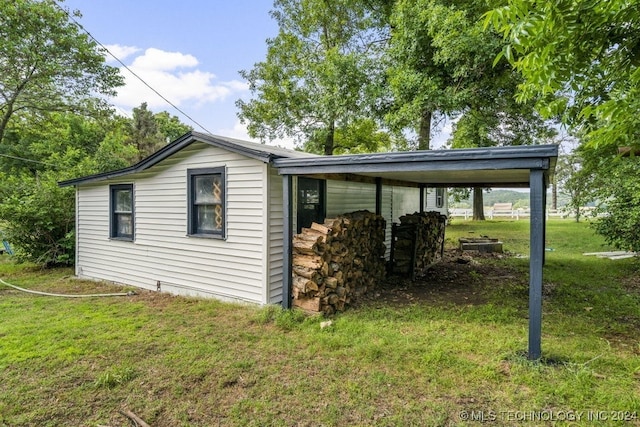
139, 422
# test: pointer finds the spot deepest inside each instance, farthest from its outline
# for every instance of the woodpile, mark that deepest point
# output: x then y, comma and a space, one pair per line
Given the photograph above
337, 261
417, 242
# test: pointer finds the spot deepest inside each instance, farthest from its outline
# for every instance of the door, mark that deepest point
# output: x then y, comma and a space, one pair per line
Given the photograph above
311, 202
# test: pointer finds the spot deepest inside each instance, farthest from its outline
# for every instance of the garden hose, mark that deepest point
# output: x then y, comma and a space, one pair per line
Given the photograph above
118, 294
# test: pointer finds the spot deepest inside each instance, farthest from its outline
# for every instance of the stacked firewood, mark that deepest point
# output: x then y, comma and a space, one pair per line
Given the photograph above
417, 242
337, 261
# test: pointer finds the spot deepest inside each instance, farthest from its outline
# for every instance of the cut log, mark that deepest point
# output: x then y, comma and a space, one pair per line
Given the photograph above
305, 247
321, 228
311, 304
308, 273
304, 285
308, 261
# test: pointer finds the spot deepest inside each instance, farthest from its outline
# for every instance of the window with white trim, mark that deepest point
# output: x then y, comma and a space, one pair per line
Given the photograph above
439, 197
122, 213
206, 209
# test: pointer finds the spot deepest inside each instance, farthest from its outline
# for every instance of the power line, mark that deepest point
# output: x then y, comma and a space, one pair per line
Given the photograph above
130, 70
28, 160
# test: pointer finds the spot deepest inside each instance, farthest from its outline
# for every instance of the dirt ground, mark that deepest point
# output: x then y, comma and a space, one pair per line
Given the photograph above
461, 278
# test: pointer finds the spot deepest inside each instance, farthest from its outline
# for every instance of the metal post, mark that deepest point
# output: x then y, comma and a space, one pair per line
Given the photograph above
287, 237
536, 260
422, 186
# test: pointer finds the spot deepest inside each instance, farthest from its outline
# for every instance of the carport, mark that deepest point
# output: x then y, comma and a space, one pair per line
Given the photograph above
516, 167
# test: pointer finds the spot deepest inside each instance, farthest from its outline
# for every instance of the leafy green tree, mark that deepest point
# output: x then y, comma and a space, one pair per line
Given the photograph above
38, 216
170, 127
619, 195
144, 133
442, 63
362, 136
575, 181
47, 64
579, 59
504, 122
148, 132
40, 219
320, 75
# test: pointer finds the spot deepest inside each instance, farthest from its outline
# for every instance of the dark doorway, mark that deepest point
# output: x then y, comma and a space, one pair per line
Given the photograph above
311, 201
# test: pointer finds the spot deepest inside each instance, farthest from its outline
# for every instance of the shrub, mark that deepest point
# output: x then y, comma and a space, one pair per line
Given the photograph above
39, 219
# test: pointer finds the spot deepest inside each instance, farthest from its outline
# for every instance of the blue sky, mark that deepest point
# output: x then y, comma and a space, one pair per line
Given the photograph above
190, 51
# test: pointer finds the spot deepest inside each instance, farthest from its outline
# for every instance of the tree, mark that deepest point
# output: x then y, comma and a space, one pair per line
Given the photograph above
585, 54
144, 133
148, 132
619, 195
575, 181
47, 64
579, 59
442, 63
320, 74
502, 122
362, 136
170, 127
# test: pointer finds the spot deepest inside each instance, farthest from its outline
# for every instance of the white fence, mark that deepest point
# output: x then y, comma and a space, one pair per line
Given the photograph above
516, 213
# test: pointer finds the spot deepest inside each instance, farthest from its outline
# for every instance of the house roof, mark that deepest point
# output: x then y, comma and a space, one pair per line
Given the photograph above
262, 152
481, 167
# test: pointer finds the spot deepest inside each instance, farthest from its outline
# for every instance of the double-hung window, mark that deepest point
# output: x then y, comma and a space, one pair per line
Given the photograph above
206, 188
122, 215
439, 197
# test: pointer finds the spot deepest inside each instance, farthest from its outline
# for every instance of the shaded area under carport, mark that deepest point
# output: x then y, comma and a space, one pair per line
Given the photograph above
519, 166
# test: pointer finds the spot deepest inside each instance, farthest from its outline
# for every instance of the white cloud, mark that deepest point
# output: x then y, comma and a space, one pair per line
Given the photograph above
175, 76
120, 52
156, 59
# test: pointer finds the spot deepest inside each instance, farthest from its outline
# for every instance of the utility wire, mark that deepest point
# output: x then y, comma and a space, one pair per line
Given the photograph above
130, 70
29, 160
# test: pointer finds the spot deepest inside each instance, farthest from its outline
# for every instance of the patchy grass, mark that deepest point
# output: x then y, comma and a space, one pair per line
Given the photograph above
429, 361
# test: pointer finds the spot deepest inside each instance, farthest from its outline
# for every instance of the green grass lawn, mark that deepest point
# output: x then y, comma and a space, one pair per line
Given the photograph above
189, 362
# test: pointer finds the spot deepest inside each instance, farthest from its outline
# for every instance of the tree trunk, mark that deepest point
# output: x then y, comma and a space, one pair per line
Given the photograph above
424, 133
478, 204
554, 194
5, 120
328, 142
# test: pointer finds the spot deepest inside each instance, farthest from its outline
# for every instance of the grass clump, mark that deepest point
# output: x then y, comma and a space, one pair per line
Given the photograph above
115, 376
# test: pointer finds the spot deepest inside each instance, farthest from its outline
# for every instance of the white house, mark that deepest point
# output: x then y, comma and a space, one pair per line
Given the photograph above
204, 216
208, 215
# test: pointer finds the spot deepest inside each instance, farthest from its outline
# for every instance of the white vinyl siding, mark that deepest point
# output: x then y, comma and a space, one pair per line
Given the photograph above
431, 201
346, 196
232, 269
275, 236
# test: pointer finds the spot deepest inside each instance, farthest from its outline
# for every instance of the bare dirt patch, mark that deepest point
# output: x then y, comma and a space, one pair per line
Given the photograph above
461, 278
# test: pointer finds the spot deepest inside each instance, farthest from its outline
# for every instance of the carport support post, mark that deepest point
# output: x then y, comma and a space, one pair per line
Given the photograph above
536, 261
422, 186
287, 236
378, 196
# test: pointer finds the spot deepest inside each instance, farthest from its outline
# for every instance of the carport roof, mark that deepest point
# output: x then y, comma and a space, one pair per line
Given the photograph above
481, 167
519, 166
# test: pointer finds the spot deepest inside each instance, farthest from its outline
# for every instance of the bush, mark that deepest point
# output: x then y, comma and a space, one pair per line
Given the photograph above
620, 223
39, 219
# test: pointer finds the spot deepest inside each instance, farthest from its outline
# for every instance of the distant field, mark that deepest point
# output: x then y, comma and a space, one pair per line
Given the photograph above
178, 361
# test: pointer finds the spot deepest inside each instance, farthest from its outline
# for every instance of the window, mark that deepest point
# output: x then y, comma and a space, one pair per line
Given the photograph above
206, 202
122, 220
439, 197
